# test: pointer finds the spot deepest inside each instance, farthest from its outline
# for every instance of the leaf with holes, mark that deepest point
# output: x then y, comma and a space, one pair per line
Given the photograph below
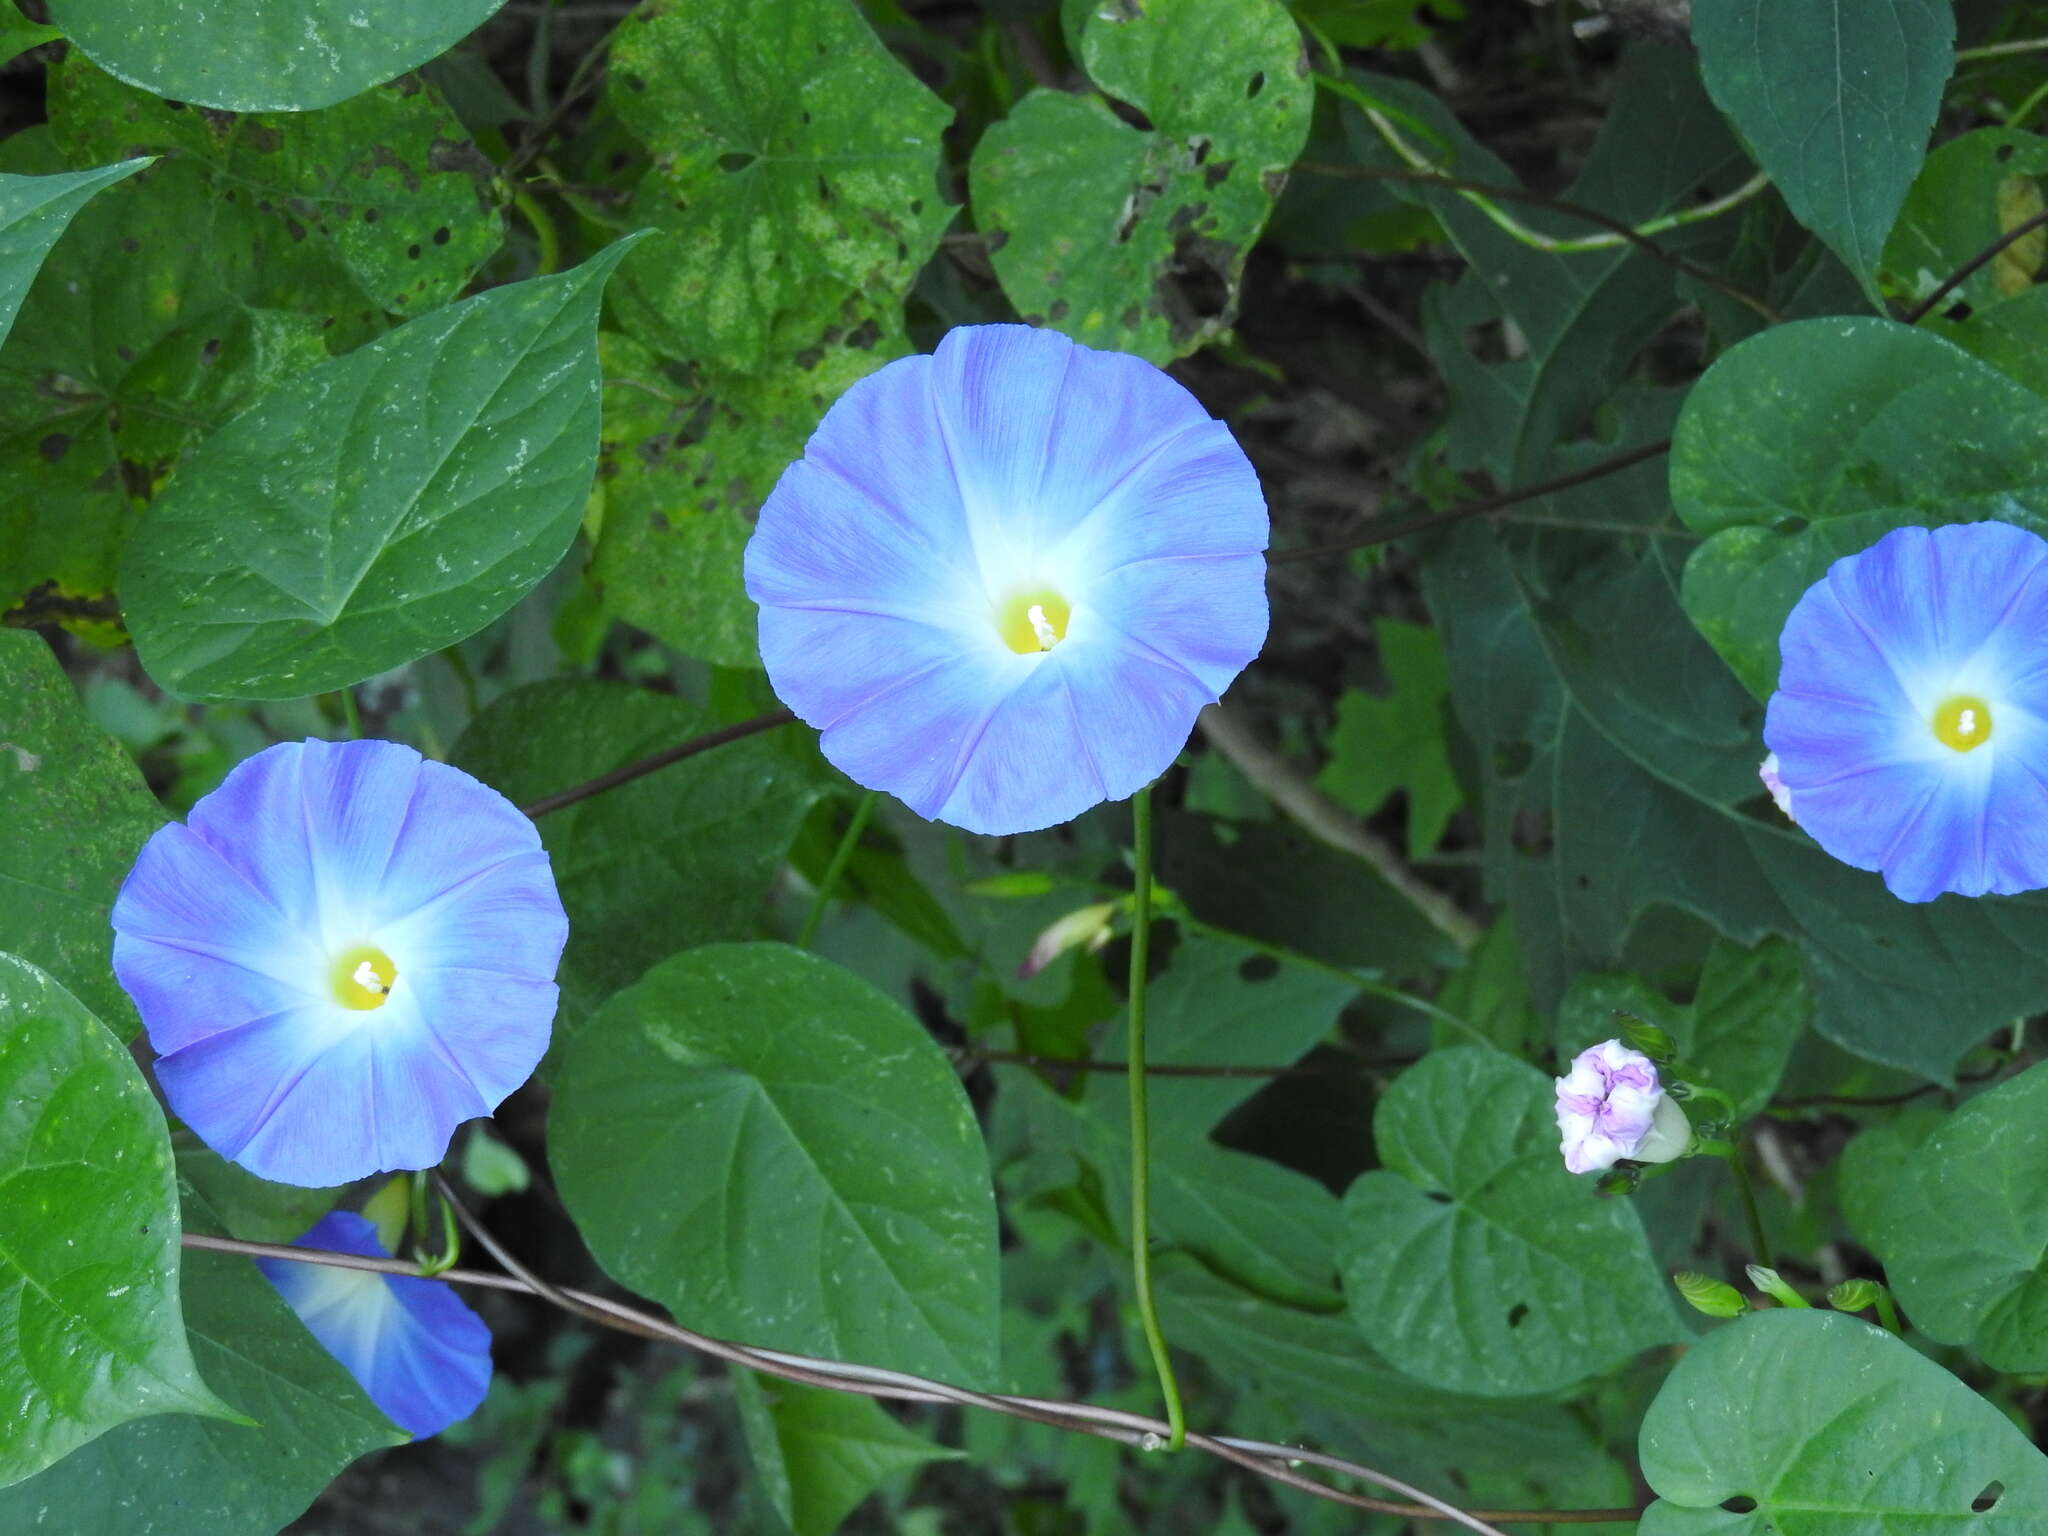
177, 1475
1962, 1227
385, 188
1134, 238
1813, 440
34, 211
89, 1264
678, 858
1836, 101
379, 506
1972, 190
1473, 1260
687, 458
1315, 1370
74, 812
1817, 1423
254, 56
146, 328
823, 1184
795, 178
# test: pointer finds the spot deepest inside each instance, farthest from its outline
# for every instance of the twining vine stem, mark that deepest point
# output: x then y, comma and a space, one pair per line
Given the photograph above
1265, 1458
1141, 1122
1962, 274
841, 857
1483, 505
641, 767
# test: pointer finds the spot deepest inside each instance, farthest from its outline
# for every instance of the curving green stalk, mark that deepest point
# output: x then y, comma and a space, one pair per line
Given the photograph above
1141, 1129
841, 857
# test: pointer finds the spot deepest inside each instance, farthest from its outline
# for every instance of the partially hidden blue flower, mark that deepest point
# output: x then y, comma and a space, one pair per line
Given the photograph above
1004, 578
345, 952
1910, 725
420, 1353
1611, 1106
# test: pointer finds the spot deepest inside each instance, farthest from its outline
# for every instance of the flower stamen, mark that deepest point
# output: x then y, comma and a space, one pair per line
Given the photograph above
362, 977
1033, 621
1962, 722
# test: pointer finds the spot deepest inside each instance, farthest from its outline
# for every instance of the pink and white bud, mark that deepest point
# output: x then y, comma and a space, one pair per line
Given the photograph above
1611, 1106
1087, 925
1768, 772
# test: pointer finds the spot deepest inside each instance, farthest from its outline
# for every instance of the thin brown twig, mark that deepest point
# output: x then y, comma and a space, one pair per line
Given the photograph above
1962, 274
646, 765
1616, 227
1265, 1458
1479, 508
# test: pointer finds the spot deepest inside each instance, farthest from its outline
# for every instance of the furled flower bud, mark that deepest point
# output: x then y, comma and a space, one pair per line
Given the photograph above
1611, 1106
1085, 925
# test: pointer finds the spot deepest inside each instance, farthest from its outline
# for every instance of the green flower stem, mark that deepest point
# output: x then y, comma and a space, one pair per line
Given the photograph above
1731, 1153
349, 717
841, 857
429, 1264
547, 238
1141, 1130
1888, 1313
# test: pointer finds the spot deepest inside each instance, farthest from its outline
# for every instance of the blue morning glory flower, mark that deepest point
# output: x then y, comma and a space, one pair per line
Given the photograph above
343, 954
1910, 724
1004, 578
419, 1352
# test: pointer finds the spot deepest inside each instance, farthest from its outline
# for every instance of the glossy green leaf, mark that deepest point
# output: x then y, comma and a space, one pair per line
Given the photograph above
1472, 1259
687, 459
385, 187
1135, 239
285, 559
1972, 190
74, 812
1397, 742
778, 1153
1814, 440
1871, 1168
146, 329
819, 1453
18, 34
2011, 336
1317, 1371
795, 174
678, 858
34, 211
253, 56
176, 1475
89, 1263
1266, 1227
1836, 102
1736, 1034
1963, 1225
1829, 1427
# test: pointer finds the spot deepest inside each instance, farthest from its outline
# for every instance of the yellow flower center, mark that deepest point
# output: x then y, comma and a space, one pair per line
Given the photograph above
1962, 722
362, 977
1033, 620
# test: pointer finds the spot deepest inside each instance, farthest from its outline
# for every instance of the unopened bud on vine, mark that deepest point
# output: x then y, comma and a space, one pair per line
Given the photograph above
1854, 1295
1775, 1286
1087, 926
1703, 1293
1611, 1107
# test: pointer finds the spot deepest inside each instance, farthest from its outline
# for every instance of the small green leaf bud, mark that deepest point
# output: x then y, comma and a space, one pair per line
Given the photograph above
1854, 1295
1705, 1294
1641, 1035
